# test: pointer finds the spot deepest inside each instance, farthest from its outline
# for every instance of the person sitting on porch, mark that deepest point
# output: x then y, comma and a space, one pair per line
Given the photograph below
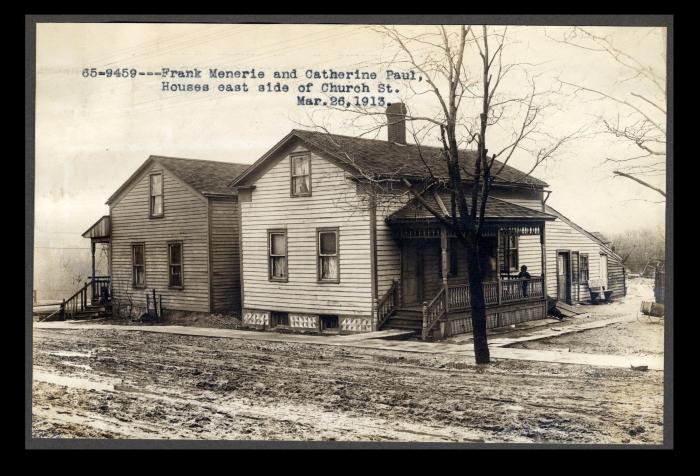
526, 276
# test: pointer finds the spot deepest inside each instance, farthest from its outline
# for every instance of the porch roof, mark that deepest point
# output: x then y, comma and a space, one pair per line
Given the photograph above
101, 230
496, 210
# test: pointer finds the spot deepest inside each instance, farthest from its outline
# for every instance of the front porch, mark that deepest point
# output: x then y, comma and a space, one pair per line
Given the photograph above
432, 294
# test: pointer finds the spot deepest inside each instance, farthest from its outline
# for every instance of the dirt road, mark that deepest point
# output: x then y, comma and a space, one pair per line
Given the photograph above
115, 384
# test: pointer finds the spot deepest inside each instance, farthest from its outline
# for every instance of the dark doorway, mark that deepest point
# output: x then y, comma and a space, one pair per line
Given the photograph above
412, 274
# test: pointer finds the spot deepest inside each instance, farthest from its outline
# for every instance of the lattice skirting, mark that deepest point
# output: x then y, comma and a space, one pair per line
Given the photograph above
463, 325
355, 324
256, 318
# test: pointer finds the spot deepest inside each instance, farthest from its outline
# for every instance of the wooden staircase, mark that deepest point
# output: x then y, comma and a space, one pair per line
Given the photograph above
405, 319
86, 303
94, 311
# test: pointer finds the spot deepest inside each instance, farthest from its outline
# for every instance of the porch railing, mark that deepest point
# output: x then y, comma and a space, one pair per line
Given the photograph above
97, 283
521, 289
387, 304
497, 292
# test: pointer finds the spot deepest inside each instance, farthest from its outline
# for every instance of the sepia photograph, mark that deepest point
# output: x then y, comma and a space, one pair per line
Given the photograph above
402, 232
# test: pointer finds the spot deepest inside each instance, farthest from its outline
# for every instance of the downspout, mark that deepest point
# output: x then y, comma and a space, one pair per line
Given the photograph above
373, 256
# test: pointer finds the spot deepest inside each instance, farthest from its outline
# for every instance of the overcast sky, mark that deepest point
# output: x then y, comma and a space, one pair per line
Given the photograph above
93, 133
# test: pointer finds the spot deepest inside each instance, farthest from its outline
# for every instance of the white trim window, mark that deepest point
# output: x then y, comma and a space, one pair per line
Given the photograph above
277, 255
328, 256
301, 175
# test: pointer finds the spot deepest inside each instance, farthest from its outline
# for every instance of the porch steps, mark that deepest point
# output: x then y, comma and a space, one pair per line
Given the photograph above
93, 311
405, 319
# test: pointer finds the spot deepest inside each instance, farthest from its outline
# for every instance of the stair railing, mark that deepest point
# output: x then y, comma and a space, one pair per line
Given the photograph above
433, 311
387, 304
79, 301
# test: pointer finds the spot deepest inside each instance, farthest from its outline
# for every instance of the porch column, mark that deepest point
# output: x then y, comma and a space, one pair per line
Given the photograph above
445, 262
498, 265
92, 286
543, 252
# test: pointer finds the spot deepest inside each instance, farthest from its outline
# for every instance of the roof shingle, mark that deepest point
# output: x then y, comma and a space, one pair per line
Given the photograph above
205, 176
379, 157
495, 209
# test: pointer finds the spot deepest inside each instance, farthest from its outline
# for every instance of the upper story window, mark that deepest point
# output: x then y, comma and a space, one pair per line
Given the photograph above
328, 264
277, 255
156, 195
138, 265
301, 175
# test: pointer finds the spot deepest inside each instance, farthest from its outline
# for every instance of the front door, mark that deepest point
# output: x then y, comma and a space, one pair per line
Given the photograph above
563, 273
412, 274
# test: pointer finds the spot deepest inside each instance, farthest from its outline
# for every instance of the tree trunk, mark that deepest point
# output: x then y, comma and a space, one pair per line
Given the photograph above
478, 305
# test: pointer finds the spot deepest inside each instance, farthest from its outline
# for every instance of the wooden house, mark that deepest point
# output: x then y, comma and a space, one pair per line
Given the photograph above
577, 258
331, 240
173, 227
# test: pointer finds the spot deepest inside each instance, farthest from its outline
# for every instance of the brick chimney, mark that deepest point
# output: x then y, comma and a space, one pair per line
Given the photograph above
396, 122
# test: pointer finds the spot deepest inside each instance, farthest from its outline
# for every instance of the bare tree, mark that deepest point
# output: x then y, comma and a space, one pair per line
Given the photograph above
641, 111
639, 247
466, 108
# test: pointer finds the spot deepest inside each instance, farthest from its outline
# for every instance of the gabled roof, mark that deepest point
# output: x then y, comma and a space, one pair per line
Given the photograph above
372, 157
203, 176
496, 209
592, 236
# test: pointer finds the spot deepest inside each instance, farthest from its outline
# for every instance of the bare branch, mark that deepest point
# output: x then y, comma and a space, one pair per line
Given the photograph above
639, 181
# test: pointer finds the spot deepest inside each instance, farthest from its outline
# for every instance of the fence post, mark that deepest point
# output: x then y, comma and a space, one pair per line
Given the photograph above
155, 303
63, 310
424, 331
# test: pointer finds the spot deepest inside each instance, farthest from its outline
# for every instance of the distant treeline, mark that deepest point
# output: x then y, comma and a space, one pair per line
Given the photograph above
640, 249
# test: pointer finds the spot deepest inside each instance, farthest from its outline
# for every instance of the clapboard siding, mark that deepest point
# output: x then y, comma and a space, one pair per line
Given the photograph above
185, 219
225, 255
334, 202
530, 254
616, 277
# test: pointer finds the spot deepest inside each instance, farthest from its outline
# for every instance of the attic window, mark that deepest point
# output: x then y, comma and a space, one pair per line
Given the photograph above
301, 175
156, 195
